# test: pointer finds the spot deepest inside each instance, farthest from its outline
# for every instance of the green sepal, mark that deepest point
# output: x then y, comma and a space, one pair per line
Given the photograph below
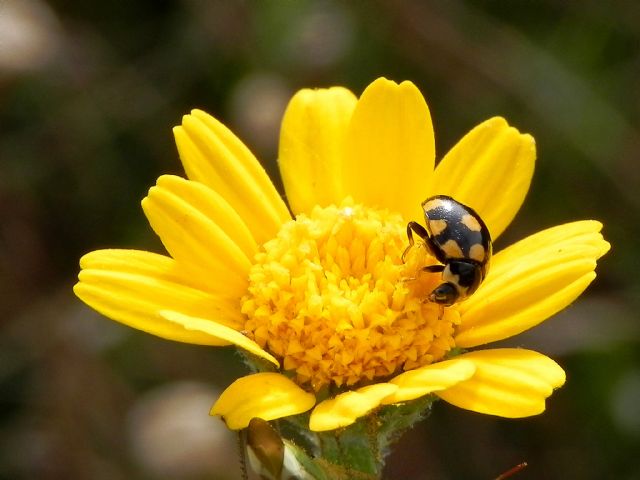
394, 420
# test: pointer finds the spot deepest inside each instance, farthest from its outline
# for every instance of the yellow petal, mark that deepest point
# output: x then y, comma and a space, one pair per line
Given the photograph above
490, 170
312, 141
390, 148
217, 331
213, 155
530, 281
214, 207
346, 408
508, 382
188, 227
430, 378
264, 395
560, 237
132, 286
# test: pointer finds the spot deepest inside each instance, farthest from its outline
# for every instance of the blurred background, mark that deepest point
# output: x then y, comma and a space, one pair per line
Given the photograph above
89, 92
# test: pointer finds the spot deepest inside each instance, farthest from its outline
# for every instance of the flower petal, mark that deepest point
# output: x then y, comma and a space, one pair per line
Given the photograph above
490, 170
213, 155
346, 408
430, 378
219, 332
265, 395
188, 226
312, 141
132, 286
531, 281
214, 207
508, 382
390, 148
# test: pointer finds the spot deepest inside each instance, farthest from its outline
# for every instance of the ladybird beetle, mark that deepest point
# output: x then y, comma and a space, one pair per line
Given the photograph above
459, 239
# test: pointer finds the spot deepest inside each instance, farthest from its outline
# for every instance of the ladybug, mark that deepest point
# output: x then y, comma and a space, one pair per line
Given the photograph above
459, 239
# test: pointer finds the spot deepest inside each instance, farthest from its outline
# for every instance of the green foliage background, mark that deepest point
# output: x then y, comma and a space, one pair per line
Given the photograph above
85, 129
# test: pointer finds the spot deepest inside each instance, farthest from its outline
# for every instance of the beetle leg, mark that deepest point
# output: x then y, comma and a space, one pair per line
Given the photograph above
433, 268
419, 230
427, 269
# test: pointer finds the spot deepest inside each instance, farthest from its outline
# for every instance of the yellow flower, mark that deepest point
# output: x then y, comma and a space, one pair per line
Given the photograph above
324, 297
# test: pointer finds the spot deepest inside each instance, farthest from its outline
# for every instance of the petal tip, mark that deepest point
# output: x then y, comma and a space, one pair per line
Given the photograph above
77, 289
85, 260
408, 85
145, 202
382, 81
197, 112
494, 123
527, 137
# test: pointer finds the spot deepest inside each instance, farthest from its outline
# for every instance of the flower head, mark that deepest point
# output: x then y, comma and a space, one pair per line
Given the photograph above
322, 302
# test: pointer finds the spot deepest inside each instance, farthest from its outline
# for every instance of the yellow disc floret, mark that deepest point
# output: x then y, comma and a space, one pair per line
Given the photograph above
331, 298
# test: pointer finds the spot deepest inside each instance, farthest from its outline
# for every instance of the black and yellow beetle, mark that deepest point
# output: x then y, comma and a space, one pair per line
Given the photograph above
459, 239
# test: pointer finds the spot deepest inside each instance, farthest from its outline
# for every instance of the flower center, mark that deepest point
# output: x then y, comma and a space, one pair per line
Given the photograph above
331, 298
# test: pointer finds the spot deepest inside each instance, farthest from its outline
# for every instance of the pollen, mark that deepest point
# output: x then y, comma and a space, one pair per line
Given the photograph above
331, 298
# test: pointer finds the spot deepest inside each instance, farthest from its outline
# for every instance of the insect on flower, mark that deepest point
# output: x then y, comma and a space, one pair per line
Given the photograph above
459, 239
314, 287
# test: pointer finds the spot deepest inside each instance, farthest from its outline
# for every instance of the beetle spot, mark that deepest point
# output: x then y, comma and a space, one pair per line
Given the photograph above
432, 204
452, 249
476, 252
437, 226
449, 277
471, 223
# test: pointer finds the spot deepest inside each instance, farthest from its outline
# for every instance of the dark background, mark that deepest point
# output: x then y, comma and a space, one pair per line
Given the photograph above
88, 94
